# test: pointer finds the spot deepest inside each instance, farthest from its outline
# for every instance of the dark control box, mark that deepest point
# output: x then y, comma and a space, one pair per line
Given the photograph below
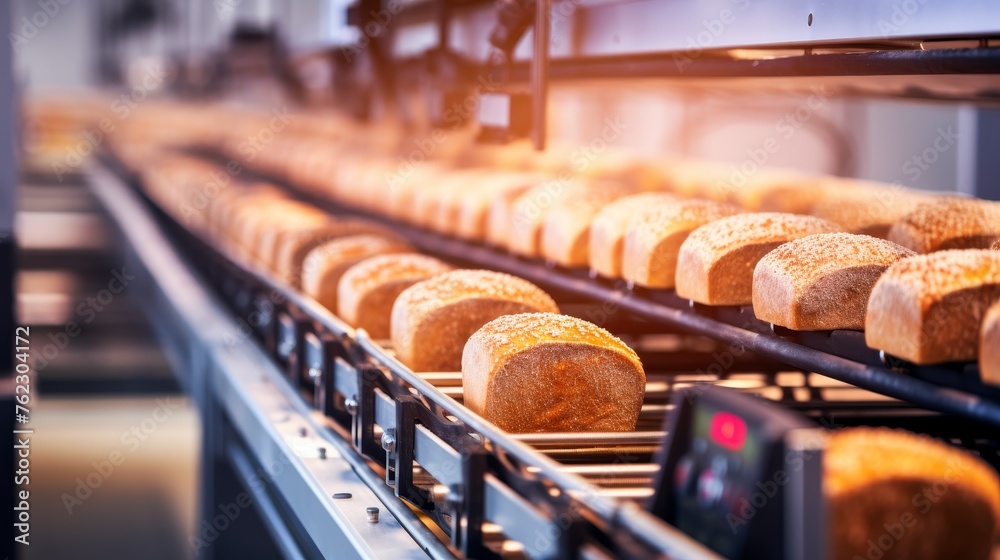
742, 476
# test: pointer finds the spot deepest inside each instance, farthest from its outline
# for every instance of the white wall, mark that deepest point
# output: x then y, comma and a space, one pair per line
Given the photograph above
876, 139
913, 143
62, 52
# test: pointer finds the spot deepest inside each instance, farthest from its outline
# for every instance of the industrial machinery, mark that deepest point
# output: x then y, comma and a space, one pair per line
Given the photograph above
345, 452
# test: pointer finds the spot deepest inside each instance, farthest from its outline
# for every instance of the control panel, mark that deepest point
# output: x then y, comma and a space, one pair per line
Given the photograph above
735, 470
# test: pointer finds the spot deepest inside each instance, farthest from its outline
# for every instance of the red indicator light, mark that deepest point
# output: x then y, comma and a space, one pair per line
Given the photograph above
728, 430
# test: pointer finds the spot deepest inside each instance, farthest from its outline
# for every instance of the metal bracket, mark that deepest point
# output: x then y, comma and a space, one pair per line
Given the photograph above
288, 347
319, 355
363, 426
805, 505
465, 504
558, 506
408, 414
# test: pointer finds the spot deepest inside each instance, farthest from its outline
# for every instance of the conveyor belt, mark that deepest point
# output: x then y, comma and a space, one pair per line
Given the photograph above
414, 432
949, 388
468, 486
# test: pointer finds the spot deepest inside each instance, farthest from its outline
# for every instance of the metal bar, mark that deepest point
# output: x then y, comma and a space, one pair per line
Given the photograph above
453, 392
345, 379
672, 542
613, 470
592, 438
985, 145
8, 132
273, 521
443, 8
442, 378
591, 454
437, 457
614, 26
540, 74
8, 196
520, 521
385, 411
805, 505
634, 493
878, 63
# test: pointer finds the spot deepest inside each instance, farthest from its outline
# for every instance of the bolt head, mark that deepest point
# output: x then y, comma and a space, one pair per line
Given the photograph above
389, 441
453, 499
351, 404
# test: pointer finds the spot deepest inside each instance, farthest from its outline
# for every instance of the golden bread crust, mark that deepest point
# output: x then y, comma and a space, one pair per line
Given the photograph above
432, 319
715, 264
989, 346
544, 372
325, 264
921, 309
924, 499
948, 223
608, 228
821, 281
652, 241
368, 289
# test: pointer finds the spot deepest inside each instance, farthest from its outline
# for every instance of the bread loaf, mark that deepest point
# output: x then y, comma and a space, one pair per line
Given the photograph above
927, 308
294, 221
516, 155
432, 319
608, 228
865, 207
989, 346
182, 186
821, 282
326, 263
368, 289
404, 181
223, 208
530, 209
565, 235
653, 240
715, 264
948, 223
473, 207
623, 168
293, 246
219, 209
698, 179
894, 495
500, 216
543, 372
239, 221
372, 185
309, 164
425, 202
778, 190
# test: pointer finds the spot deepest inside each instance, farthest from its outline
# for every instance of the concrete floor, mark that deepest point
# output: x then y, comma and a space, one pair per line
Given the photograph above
142, 507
